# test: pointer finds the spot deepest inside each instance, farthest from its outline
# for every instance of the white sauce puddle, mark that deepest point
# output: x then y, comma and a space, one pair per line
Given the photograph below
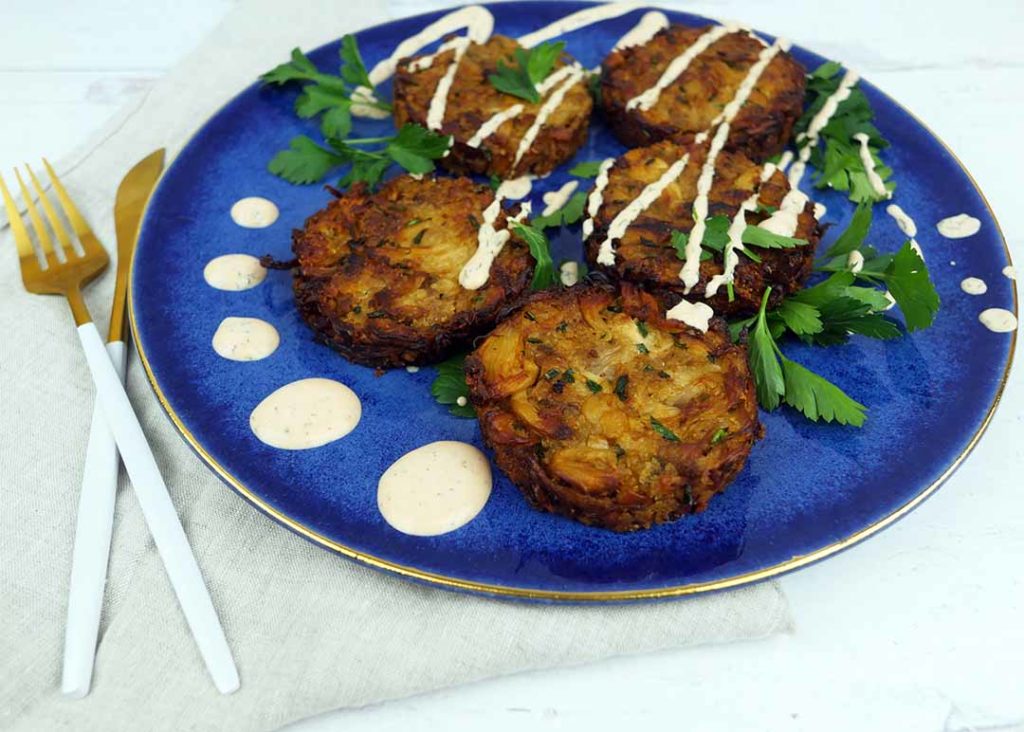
694, 314
569, 273
435, 489
234, 272
648, 98
254, 212
907, 225
973, 286
575, 21
305, 414
959, 226
998, 320
868, 161
554, 200
1010, 272
245, 339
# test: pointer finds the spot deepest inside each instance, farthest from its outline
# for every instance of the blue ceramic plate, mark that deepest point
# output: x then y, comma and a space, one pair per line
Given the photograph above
808, 490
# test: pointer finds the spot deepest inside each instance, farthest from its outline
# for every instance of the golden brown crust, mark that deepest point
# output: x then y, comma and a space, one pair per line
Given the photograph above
645, 253
377, 275
472, 100
581, 391
688, 105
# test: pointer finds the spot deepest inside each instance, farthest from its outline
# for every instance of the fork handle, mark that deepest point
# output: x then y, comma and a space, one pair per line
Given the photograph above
158, 510
92, 545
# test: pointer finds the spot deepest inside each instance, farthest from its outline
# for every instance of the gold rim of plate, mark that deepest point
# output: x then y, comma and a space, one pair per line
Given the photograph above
441, 580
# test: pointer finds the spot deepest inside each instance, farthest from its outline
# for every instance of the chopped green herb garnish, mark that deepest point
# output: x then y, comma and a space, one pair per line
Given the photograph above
641, 326
419, 236
551, 374
569, 376
562, 327
720, 434
642, 348
529, 316
532, 67
621, 384
664, 431
534, 340
593, 386
586, 170
544, 274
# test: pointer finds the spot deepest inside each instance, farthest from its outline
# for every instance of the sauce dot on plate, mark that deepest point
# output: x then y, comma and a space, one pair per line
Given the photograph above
305, 414
973, 286
959, 226
234, 272
998, 320
1010, 272
245, 339
435, 489
254, 212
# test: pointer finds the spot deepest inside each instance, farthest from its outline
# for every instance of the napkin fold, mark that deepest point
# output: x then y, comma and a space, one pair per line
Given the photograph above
310, 631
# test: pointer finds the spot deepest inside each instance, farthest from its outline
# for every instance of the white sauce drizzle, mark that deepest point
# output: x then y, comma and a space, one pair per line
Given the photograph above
690, 272
596, 197
973, 286
547, 109
809, 139
730, 258
998, 320
490, 241
648, 98
439, 102
412, 369
855, 261
254, 212
575, 21
868, 162
435, 489
363, 104
1010, 272
959, 226
907, 225
492, 124
784, 222
234, 272
517, 188
569, 273
554, 200
305, 414
625, 217
784, 160
245, 339
643, 32
694, 314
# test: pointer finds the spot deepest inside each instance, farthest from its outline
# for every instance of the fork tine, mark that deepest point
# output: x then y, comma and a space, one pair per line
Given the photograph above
51, 215
78, 223
26, 252
37, 223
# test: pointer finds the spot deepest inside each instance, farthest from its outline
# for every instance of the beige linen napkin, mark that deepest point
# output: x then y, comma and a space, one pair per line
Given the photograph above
310, 631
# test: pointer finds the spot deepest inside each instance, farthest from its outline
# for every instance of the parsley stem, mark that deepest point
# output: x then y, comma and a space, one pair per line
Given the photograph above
366, 140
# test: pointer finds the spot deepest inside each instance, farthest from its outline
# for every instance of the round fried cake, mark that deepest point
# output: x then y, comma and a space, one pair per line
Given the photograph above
602, 410
472, 100
378, 273
688, 104
645, 254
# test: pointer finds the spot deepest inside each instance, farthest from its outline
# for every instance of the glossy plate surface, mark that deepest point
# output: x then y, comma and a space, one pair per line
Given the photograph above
807, 491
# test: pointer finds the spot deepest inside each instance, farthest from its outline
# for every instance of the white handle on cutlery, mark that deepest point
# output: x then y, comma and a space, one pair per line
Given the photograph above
92, 546
159, 513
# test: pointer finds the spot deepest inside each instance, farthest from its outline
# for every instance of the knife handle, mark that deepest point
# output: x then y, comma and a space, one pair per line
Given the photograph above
158, 510
92, 546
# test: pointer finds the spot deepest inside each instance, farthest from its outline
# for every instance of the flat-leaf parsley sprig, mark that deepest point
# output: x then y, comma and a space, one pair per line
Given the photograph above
532, 67
414, 148
838, 160
450, 387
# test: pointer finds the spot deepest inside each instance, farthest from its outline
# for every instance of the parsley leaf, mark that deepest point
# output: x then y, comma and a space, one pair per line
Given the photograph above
532, 67
415, 148
544, 274
764, 364
819, 398
908, 281
799, 317
568, 214
353, 70
299, 68
304, 161
450, 384
588, 169
758, 237
716, 236
853, 236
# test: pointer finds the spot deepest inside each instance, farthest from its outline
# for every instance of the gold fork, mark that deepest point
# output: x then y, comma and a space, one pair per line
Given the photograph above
64, 272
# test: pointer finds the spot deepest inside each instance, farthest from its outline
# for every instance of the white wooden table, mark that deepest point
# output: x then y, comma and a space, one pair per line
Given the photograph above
920, 628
